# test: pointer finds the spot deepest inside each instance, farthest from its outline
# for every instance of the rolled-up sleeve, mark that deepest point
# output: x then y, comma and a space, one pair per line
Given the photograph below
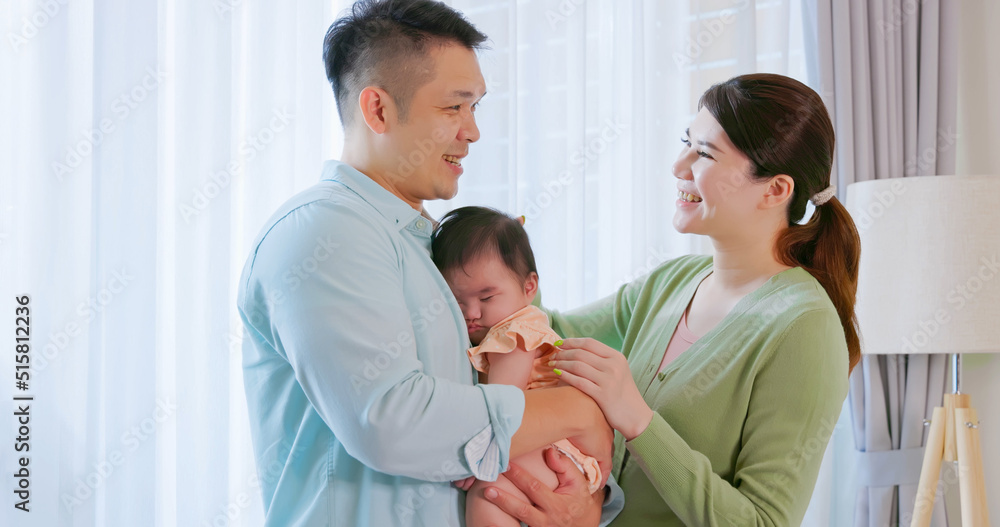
488, 452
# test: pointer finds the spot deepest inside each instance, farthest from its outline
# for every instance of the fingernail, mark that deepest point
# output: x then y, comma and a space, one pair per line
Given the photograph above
557, 371
558, 342
552, 363
491, 493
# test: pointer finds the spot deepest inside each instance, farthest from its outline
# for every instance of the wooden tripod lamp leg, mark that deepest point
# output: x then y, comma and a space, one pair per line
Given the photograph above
970, 469
951, 402
930, 471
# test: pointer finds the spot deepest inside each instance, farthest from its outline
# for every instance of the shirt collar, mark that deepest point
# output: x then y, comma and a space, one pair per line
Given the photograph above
393, 209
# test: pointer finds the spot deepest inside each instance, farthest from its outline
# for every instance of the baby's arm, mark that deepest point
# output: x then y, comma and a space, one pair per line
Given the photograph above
512, 368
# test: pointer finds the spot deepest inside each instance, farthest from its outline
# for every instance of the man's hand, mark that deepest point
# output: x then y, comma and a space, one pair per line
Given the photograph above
570, 504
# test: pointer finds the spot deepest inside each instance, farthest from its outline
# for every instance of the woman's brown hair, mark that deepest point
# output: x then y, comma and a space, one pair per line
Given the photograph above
784, 128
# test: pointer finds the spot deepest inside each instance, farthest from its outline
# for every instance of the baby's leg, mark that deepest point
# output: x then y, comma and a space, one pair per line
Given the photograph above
481, 512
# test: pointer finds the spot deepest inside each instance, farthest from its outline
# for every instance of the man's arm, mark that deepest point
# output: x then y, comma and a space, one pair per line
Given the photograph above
555, 414
551, 414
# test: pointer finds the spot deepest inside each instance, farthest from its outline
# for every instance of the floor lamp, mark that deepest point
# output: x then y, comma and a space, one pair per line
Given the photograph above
929, 283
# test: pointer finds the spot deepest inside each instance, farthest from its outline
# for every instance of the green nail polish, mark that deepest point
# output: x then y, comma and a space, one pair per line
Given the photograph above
557, 371
558, 342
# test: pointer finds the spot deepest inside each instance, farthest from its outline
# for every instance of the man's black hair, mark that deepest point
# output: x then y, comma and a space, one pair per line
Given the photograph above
384, 43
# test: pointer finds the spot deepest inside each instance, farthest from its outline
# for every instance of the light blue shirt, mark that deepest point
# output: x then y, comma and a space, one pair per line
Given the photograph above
363, 406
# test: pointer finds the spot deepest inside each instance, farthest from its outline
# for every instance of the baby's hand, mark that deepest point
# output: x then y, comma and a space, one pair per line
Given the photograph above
464, 484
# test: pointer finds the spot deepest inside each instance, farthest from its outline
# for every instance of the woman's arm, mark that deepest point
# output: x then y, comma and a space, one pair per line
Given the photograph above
796, 400
604, 320
797, 396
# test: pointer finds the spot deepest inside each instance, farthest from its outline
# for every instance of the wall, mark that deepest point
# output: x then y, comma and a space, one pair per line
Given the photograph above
978, 140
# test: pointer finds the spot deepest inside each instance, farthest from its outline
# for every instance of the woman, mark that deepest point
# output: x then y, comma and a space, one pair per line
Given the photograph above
733, 368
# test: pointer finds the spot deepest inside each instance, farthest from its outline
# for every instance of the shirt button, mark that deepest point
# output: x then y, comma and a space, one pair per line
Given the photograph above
421, 224
662, 375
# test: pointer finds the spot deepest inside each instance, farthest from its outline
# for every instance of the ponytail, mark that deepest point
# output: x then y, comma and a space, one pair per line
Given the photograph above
828, 247
783, 127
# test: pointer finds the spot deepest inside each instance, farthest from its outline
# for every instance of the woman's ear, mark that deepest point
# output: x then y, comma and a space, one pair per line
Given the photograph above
376, 107
779, 191
531, 286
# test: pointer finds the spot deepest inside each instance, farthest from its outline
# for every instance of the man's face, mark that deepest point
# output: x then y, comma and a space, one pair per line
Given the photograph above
423, 155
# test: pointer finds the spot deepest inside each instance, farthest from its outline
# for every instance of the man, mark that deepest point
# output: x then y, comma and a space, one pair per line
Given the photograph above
363, 406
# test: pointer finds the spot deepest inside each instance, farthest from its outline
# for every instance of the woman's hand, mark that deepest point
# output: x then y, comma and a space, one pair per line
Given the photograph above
604, 375
570, 504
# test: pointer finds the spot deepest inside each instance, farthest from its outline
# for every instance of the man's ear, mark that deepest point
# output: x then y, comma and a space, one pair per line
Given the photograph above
531, 285
779, 191
376, 108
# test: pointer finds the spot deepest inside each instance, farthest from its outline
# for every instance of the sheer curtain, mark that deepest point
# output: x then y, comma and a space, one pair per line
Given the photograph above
586, 104
149, 141
147, 144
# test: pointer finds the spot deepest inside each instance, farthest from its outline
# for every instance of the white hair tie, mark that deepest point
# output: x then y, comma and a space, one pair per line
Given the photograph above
822, 197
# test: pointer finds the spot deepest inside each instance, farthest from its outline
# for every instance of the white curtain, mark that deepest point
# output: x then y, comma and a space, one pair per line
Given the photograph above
145, 143
586, 103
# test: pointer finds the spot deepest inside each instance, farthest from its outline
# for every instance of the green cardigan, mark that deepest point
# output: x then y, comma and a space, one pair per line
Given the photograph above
743, 417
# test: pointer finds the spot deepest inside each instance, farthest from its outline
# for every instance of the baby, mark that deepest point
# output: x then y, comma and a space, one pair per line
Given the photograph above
486, 259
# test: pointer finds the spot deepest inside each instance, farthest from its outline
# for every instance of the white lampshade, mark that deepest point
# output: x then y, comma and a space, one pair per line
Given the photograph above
929, 280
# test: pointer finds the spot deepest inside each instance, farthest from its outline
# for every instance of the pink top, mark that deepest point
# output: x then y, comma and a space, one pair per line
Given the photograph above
679, 343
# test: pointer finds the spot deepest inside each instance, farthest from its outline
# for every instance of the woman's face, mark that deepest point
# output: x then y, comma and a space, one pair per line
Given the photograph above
716, 195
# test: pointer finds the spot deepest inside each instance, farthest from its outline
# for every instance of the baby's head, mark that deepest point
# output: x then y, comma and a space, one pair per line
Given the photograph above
487, 260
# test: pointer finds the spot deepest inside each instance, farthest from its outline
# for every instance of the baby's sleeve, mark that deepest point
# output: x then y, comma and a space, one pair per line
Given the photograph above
531, 329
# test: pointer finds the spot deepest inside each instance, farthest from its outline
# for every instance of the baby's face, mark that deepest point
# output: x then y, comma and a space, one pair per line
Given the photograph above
488, 292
